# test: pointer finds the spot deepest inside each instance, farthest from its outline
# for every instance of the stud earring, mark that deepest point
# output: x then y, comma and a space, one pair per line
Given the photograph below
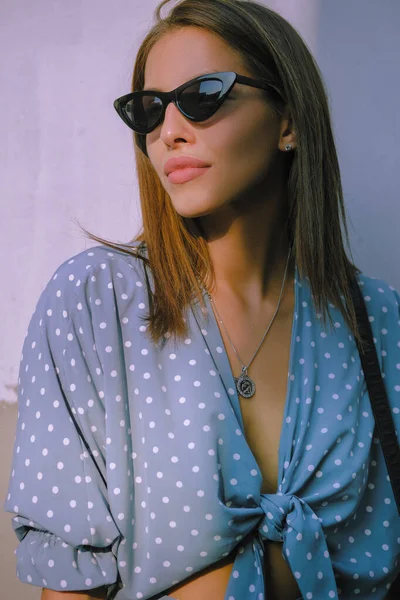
288, 147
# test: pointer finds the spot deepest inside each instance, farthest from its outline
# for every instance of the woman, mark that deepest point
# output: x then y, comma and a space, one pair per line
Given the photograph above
190, 425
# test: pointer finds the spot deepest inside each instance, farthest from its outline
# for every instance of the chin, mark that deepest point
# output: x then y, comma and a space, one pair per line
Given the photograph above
193, 214
193, 210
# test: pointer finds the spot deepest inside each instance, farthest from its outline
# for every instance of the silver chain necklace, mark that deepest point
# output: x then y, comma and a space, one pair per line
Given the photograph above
244, 384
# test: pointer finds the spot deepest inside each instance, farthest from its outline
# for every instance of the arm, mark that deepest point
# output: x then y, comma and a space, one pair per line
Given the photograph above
68, 538
53, 595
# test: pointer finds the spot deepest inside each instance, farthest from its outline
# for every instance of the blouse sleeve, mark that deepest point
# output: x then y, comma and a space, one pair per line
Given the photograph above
391, 355
67, 536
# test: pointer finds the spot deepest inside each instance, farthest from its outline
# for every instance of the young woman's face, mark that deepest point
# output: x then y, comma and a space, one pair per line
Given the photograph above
241, 142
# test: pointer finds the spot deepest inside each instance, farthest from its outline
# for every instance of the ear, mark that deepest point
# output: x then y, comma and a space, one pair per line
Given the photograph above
287, 132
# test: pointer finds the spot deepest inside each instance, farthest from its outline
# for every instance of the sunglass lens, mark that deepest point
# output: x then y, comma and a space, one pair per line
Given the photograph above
200, 100
143, 112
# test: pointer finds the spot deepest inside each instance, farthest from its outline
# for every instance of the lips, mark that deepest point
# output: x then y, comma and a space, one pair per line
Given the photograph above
187, 174
183, 162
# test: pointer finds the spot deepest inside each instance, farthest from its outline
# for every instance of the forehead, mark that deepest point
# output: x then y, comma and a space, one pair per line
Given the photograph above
186, 53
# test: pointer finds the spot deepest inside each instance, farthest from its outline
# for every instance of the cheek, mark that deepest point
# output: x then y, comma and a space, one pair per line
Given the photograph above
154, 157
246, 153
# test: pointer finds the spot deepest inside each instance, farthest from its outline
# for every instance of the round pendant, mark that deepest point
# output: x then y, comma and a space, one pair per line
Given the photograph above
245, 386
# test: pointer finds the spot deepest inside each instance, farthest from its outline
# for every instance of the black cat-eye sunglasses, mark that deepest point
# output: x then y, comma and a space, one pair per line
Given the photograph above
197, 99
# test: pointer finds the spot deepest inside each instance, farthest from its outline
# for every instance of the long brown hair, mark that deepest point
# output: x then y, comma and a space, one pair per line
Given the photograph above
179, 259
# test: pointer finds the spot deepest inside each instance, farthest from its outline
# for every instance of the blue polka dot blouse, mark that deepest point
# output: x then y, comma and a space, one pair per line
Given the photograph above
176, 487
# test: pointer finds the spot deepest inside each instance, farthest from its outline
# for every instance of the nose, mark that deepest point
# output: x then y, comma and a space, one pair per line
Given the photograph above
176, 127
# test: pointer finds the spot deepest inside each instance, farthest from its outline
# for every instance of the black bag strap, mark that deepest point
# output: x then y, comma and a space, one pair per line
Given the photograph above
377, 393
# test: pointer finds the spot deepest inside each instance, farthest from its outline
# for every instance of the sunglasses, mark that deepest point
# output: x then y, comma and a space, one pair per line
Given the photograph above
197, 99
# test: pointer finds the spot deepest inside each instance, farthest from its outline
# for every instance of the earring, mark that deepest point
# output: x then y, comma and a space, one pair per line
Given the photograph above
288, 147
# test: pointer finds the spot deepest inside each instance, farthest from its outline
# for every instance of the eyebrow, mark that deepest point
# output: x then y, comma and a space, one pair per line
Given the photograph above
154, 89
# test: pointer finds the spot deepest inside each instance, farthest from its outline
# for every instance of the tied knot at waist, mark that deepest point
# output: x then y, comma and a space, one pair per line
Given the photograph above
281, 513
288, 519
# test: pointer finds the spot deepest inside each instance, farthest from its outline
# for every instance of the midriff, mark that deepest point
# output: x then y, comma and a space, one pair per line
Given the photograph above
262, 417
279, 581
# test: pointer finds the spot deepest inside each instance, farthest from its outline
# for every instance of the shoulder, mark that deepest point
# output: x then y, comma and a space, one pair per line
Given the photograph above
91, 274
80, 268
381, 299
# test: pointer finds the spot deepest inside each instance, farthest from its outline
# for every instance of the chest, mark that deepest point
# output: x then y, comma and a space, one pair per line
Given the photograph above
263, 413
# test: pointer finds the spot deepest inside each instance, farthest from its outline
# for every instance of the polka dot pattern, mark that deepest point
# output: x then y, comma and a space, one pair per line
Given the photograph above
165, 428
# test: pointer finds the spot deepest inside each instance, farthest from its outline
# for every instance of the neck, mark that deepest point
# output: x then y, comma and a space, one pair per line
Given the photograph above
249, 253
